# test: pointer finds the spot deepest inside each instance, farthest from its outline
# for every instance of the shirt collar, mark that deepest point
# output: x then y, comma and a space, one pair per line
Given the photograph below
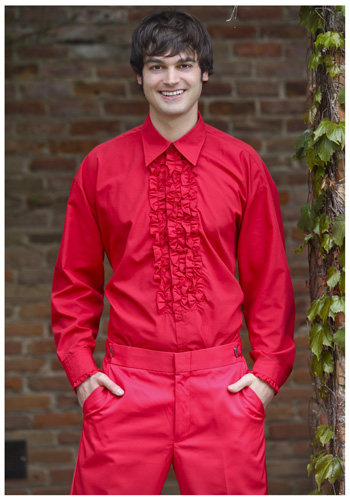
190, 145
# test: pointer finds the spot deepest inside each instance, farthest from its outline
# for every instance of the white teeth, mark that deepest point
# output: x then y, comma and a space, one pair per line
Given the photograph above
176, 92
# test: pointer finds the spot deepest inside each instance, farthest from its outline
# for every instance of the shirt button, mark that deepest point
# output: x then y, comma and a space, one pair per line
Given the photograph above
179, 317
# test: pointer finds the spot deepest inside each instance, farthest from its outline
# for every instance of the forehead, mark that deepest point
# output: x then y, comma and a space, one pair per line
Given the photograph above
181, 56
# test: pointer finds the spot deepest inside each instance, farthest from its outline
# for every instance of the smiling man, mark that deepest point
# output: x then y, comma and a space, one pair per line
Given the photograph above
174, 204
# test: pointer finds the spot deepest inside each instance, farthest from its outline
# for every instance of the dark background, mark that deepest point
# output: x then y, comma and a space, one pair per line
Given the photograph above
69, 87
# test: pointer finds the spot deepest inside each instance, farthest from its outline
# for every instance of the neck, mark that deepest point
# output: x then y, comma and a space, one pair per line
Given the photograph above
175, 127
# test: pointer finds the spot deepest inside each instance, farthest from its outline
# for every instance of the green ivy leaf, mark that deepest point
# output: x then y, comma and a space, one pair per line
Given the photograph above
318, 337
307, 219
318, 96
333, 69
315, 308
324, 311
311, 19
337, 304
334, 131
325, 148
313, 160
342, 283
330, 39
302, 144
339, 338
327, 242
307, 238
327, 362
324, 433
338, 229
317, 367
333, 277
315, 60
341, 97
341, 257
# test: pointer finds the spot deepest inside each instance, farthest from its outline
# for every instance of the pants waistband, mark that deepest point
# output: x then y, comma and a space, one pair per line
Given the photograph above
174, 362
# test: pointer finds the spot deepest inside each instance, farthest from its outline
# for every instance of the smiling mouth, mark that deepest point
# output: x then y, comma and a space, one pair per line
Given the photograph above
172, 94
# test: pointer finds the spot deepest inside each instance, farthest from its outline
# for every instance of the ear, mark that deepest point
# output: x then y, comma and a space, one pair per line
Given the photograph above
205, 76
139, 79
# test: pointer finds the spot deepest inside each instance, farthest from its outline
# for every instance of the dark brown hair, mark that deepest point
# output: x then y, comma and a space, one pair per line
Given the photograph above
171, 33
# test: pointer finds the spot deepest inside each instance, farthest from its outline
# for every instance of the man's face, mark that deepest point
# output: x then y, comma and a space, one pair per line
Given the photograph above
172, 85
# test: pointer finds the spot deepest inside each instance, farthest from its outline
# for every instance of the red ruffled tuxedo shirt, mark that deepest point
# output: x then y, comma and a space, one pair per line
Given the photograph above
173, 219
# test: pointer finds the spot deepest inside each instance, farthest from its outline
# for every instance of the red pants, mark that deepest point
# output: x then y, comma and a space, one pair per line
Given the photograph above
176, 410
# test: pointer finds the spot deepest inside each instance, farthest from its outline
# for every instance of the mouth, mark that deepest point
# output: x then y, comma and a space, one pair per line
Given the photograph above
174, 93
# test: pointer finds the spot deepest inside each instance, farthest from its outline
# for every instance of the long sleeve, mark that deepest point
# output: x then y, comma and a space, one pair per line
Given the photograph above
77, 290
264, 276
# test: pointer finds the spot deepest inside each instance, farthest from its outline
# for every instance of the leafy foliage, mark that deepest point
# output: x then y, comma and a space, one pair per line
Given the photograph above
318, 146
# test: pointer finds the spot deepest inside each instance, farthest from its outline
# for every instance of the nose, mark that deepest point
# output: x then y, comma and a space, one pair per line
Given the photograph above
171, 77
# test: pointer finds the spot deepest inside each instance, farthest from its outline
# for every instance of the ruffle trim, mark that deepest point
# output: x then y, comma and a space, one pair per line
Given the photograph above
84, 377
271, 382
174, 224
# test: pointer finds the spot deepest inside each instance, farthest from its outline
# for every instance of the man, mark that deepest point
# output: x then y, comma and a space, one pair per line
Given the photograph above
173, 204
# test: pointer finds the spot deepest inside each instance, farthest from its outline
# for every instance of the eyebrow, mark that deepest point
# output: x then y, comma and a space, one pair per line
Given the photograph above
155, 60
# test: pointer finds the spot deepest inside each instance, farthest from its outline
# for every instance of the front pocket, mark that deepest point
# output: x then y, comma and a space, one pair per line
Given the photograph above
93, 401
253, 403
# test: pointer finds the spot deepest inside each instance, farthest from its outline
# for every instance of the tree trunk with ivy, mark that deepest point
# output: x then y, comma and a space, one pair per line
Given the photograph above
323, 221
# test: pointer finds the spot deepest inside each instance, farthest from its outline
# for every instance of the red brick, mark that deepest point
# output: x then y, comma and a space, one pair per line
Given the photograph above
43, 51
93, 127
50, 456
61, 475
230, 31
300, 393
25, 402
282, 70
30, 311
70, 69
20, 71
296, 50
81, 146
297, 235
302, 376
57, 420
121, 70
126, 108
16, 491
24, 329
218, 123
252, 141
40, 127
302, 340
88, 89
295, 125
232, 108
42, 347
9, 275
51, 490
24, 364
235, 70
294, 30
277, 144
208, 13
259, 12
25, 108
45, 90
216, 88
258, 125
280, 412
49, 383
56, 366
284, 197
138, 13
67, 401
50, 163
69, 437
13, 384
283, 107
302, 448
16, 421
279, 487
18, 146
33, 476
13, 347
298, 430
257, 88
296, 89
74, 108
258, 49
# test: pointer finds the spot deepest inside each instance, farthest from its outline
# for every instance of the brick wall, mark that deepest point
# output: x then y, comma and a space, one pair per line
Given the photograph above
68, 88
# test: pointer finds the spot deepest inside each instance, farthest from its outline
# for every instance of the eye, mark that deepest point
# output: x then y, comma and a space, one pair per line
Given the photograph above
155, 67
186, 65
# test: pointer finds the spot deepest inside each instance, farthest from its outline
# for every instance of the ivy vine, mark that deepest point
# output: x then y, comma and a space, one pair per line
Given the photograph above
323, 222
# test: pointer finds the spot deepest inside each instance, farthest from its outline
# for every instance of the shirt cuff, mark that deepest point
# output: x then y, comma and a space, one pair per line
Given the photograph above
266, 379
79, 366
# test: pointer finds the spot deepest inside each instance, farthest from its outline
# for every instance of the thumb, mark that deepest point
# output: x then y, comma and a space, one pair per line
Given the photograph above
246, 380
110, 385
